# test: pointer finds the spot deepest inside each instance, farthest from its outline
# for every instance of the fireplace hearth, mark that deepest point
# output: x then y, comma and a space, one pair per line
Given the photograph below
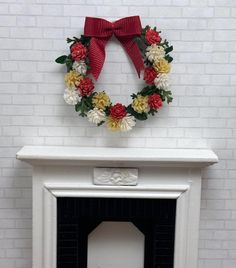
158, 191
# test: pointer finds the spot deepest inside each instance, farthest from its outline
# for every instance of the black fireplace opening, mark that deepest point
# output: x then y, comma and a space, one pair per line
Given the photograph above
78, 217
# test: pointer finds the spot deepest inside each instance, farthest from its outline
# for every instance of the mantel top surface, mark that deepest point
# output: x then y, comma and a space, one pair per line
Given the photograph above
46, 155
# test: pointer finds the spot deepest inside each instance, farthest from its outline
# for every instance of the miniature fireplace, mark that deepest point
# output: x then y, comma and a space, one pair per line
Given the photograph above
90, 203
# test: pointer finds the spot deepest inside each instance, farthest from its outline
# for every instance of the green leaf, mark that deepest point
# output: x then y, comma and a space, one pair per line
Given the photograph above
149, 90
76, 39
168, 49
139, 116
61, 59
69, 63
99, 124
166, 96
69, 40
84, 105
152, 112
78, 106
84, 40
133, 96
168, 58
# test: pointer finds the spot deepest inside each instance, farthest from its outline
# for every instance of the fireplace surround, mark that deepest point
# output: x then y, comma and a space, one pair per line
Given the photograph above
116, 173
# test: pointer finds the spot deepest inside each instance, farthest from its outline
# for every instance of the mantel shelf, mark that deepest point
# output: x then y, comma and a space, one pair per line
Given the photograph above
97, 156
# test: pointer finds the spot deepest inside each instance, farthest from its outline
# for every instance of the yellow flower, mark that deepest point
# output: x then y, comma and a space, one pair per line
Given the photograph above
140, 104
72, 79
113, 124
162, 66
101, 100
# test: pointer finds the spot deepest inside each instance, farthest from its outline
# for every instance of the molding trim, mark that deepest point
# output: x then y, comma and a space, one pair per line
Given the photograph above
77, 190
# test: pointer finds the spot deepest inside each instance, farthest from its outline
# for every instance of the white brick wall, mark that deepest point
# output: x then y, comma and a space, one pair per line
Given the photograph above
203, 113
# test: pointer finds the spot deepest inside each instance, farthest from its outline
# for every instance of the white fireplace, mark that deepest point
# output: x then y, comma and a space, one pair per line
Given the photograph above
116, 173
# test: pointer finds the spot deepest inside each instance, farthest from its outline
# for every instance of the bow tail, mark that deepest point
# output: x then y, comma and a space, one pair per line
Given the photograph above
134, 53
96, 55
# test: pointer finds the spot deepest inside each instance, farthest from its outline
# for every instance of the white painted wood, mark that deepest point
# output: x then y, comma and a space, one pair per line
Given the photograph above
48, 155
166, 174
115, 245
50, 229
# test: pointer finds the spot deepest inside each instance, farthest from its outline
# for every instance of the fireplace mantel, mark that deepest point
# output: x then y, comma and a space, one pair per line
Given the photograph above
58, 155
161, 174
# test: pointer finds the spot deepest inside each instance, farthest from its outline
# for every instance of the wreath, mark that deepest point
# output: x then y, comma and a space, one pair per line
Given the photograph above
147, 50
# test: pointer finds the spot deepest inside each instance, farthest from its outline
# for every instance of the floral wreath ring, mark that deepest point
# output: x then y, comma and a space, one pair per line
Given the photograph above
146, 49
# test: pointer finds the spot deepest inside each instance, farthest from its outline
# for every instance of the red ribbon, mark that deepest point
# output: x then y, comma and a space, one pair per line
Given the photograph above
101, 30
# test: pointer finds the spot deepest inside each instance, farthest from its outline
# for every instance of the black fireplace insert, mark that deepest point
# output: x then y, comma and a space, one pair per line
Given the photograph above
77, 217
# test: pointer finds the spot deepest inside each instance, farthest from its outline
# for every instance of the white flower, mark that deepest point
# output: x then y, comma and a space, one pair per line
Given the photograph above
127, 123
96, 116
71, 96
162, 81
80, 67
154, 53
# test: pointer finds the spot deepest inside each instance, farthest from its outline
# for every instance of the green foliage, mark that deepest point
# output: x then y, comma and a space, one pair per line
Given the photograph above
69, 40
168, 58
168, 49
69, 63
61, 59
152, 112
101, 123
84, 105
148, 90
143, 32
65, 60
142, 116
83, 39
166, 95
141, 44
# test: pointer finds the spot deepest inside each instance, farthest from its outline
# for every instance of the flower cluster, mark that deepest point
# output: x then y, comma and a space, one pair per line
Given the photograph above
78, 85
159, 66
97, 106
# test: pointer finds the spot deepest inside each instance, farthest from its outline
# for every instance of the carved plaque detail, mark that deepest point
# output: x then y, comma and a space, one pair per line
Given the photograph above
115, 176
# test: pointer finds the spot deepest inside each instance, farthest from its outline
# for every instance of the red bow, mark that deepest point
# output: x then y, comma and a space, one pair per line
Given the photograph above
101, 31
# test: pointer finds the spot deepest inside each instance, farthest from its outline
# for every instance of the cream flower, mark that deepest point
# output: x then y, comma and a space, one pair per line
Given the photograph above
162, 81
154, 53
71, 96
140, 104
96, 116
127, 123
80, 67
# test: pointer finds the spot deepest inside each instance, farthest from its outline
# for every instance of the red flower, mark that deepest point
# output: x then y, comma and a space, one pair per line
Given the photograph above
78, 51
86, 86
155, 101
152, 37
118, 111
149, 75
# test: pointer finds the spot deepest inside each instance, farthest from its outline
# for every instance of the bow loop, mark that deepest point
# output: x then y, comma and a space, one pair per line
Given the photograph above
101, 30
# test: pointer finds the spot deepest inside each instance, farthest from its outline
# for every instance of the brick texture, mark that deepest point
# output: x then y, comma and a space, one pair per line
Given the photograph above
202, 115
